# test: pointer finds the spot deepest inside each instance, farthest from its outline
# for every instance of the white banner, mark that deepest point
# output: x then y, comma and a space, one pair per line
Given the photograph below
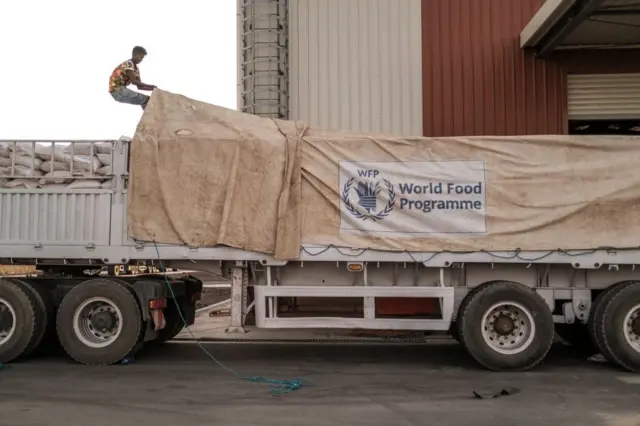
413, 198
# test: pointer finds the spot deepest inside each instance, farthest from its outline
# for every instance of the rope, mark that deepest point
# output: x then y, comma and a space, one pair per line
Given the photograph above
276, 387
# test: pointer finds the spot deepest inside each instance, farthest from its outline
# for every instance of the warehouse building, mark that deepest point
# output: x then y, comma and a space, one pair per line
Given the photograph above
443, 67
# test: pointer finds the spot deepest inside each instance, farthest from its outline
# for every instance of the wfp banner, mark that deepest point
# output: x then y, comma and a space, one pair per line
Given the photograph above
413, 198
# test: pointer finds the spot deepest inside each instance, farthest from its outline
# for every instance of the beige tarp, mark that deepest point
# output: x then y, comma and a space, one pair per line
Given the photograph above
202, 175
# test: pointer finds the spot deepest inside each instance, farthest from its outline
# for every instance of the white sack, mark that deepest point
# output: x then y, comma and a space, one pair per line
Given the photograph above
84, 162
58, 176
84, 184
105, 159
103, 171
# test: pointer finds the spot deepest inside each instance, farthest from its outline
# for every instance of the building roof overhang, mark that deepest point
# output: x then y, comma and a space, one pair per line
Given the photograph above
583, 24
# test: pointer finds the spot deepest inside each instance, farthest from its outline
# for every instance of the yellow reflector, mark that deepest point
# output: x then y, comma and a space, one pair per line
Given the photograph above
355, 267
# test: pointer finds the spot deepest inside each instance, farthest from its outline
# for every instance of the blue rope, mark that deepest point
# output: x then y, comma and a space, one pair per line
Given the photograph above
276, 387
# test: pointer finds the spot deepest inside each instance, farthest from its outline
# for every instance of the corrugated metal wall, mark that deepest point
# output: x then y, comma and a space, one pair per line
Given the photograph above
356, 64
477, 80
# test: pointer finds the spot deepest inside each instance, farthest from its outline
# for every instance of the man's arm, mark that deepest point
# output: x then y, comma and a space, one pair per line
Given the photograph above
139, 84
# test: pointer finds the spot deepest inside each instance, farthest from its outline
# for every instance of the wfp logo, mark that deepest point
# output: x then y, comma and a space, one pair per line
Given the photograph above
369, 204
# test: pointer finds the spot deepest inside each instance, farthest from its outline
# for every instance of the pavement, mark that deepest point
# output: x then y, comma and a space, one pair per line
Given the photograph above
352, 384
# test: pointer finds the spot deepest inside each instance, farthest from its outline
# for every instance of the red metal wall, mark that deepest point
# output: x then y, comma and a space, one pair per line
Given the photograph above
476, 78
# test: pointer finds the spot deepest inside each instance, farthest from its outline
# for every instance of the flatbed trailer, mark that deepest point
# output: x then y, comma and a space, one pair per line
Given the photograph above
503, 307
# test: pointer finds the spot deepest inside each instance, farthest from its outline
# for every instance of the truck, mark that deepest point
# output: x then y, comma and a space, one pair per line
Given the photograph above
65, 215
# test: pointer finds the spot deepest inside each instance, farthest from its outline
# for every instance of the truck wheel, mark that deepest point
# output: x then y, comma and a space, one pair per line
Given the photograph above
456, 334
19, 318
453, 332
596, 315
45, 312
506, 326
174, 323
620, 327
99, 322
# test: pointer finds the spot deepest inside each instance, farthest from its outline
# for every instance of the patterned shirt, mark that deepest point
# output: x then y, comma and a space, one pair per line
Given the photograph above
119, 77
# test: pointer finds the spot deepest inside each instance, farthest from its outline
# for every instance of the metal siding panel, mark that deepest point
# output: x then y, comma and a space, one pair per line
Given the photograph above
477, 80
604, 96
355, 65
36, 217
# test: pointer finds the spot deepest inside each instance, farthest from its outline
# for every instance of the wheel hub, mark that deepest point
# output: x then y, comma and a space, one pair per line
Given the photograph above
508, 328
631, 328
635, 325
97, 322
7, 321
103, 321
504, 325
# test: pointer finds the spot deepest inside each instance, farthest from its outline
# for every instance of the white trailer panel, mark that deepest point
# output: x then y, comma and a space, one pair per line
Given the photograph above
39, 217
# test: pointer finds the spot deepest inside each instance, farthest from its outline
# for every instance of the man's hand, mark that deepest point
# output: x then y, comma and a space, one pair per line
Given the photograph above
139, 84
143, 86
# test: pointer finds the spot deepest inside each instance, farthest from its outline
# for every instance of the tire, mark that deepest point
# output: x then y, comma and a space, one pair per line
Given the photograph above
596, 315
21, 306
457, 333
577, 335
453, 332
44, 313
174, 323
526, 310
95, 297
617, 331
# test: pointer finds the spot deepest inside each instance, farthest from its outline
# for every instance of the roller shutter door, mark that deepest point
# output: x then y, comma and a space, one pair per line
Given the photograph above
604, 96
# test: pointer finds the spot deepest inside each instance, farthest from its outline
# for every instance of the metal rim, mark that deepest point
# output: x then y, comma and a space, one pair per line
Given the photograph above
84, 325
7, 332
630, 330
508, 328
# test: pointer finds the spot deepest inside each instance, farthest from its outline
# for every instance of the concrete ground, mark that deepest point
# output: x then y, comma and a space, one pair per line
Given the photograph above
352, 385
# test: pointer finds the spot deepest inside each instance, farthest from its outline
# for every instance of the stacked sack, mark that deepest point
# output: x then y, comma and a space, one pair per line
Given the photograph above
59, 166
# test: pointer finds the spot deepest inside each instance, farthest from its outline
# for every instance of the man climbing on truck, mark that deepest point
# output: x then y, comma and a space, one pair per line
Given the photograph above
128, 73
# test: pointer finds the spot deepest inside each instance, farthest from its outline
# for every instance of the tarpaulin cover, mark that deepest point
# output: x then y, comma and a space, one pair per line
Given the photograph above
203, 175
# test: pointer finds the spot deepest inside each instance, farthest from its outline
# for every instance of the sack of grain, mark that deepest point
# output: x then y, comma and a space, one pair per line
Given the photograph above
28, 161
104, 147
104, 171
57, 166
84, 184
21, 160
4, 149
84, 148
105, 159
42, 151
58, 176
84, 163
26, 171
22, 183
